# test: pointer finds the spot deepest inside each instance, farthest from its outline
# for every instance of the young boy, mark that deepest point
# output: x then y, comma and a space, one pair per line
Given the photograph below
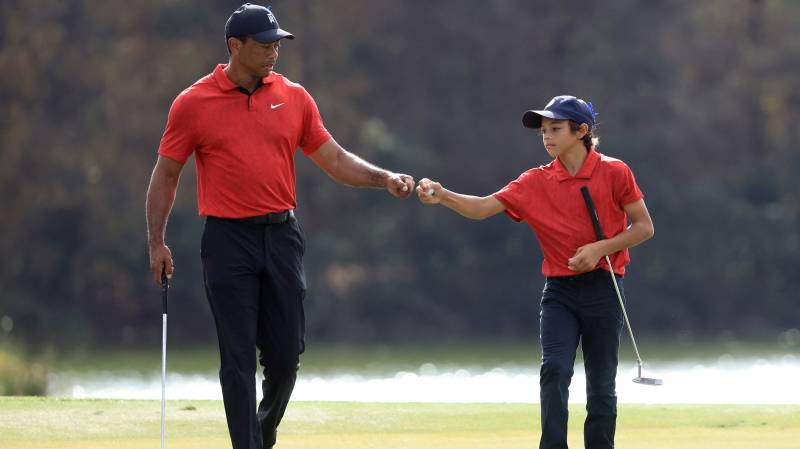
579, 303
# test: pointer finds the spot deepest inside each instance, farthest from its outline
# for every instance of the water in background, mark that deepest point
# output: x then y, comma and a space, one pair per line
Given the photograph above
725, 380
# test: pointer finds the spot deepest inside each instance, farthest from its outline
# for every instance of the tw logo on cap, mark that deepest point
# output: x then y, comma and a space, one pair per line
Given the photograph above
257, 22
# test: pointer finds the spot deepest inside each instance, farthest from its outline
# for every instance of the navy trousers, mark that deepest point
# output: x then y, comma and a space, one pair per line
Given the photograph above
255, 286
580, 309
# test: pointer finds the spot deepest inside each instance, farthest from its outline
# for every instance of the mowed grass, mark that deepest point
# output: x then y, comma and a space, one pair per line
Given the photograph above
50, 423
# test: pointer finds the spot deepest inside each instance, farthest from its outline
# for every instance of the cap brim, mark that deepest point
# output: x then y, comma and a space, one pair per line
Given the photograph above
533, 119
265, 37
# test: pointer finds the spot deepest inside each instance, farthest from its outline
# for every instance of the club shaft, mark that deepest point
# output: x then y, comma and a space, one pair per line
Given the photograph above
163, 374
625, 314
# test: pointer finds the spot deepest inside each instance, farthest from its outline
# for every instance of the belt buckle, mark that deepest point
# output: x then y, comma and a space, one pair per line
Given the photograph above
271, 218
280, 217
287, 215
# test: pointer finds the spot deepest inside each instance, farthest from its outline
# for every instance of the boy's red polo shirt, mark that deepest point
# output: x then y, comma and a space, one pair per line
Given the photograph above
550, 201
243, 144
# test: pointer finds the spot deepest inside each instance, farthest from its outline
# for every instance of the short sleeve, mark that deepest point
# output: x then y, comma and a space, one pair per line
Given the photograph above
179, 139
513, 196
314, 132
626, 191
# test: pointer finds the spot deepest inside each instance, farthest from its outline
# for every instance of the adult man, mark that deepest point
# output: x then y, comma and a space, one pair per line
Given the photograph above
243, 122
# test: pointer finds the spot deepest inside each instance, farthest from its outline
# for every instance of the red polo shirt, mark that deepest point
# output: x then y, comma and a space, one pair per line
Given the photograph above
550, 201
243, 144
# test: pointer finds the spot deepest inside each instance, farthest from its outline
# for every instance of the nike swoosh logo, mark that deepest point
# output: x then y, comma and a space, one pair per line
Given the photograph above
275, 106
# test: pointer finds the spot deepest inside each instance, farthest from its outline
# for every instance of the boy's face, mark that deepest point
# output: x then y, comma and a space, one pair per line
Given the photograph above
558, 139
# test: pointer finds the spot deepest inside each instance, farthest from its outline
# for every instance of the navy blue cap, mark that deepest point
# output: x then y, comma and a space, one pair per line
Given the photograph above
562, 107
256, 22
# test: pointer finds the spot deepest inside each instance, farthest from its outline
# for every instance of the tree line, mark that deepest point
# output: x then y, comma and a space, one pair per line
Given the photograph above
700, 98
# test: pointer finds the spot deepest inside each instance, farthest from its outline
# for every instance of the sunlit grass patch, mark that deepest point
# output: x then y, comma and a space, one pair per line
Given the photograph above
39, 423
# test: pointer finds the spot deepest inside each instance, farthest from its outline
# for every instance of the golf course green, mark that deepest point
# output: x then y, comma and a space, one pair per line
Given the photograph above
51, 423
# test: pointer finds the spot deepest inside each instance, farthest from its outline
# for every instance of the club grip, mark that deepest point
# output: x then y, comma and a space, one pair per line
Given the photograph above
164, 290
592, 213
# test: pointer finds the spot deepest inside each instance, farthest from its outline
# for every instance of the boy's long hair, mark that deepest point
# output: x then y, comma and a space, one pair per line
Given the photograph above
589, 140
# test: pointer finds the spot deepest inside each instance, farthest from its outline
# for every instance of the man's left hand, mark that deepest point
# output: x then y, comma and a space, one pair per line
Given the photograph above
399, 185
585, 258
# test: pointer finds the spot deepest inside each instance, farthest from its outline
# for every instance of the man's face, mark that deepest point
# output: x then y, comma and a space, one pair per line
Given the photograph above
558, 138
256, 58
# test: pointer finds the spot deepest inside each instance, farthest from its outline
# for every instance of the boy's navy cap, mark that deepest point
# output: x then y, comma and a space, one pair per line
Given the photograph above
562, 107
256, 22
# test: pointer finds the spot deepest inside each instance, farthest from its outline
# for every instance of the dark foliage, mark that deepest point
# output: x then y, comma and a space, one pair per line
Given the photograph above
700, 98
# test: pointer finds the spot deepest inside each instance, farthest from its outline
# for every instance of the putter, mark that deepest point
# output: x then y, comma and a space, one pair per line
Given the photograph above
599, 233
164, 290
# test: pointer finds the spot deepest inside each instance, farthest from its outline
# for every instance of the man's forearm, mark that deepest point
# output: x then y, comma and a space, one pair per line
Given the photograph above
353, 171
160, 198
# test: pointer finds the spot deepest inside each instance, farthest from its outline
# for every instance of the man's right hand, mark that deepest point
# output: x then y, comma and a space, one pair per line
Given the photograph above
400, 185
160, 197
160, 262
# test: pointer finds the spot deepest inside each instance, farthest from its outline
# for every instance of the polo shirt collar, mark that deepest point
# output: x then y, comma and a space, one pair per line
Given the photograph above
586, 170
225, 84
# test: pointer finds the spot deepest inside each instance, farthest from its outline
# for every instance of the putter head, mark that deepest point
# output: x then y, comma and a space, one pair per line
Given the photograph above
648, 381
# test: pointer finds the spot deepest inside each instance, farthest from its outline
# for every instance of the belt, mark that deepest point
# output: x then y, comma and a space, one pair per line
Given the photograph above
269, 219
584, 276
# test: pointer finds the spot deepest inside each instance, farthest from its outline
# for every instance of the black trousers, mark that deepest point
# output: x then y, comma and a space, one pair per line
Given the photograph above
585, 309
255, 286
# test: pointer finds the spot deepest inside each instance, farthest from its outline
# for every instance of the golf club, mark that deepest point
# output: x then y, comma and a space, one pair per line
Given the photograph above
599, 233
165, 290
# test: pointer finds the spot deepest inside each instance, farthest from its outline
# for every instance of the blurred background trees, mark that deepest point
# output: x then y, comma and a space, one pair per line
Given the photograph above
700, 98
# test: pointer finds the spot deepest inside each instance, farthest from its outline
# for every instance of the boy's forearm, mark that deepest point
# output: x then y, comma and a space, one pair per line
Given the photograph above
468, 206
635, 234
